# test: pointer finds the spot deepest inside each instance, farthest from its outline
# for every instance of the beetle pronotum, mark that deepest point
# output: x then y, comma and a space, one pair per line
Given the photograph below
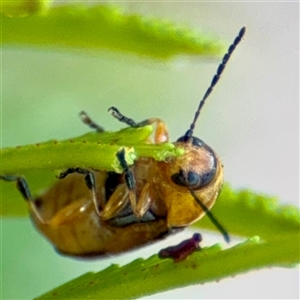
109, 212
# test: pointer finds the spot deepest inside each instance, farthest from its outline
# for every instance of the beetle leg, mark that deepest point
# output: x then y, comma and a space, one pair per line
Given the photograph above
145, 201
161, 134
89, 180
116, 114
23, 188
88, 121
116, 202
129, 178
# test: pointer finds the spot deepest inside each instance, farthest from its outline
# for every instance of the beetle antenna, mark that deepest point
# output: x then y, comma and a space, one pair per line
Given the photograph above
214, 81
211, 217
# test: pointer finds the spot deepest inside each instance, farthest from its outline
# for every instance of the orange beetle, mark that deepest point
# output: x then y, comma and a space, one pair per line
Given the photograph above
110, 213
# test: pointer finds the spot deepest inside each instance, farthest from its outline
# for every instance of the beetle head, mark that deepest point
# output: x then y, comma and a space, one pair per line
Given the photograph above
199, 171
198, 166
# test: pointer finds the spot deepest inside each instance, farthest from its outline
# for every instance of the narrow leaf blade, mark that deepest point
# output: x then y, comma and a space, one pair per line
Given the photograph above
103, 27
247, 213
150, 276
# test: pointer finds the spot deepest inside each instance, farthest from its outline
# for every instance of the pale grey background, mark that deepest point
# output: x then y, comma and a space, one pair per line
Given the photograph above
251, 120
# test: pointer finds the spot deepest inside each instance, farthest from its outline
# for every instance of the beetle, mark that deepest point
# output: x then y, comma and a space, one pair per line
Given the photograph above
109, 212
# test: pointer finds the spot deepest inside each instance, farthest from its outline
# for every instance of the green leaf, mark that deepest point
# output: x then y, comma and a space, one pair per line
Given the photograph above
22, 8
247, 213
62, 155
150, 276
104, 27
93, 150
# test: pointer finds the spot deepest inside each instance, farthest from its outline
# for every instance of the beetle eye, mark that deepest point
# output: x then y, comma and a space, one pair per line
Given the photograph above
192, 179
195, 141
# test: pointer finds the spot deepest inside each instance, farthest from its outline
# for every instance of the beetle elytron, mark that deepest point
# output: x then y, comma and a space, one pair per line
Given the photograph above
109, 212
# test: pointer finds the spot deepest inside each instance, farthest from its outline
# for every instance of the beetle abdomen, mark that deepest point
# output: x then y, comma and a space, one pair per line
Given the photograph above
78, 230
74, 227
